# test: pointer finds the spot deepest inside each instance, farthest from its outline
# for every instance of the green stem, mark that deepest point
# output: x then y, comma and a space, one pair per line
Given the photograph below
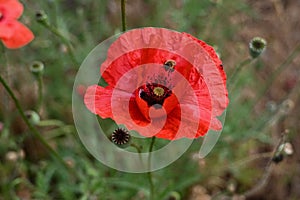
40, 92
150, 178
238, 68
268, 169
30, 126
60, 131
246, 161
51, 122
138, 149
56, 32
123, 12
4, 97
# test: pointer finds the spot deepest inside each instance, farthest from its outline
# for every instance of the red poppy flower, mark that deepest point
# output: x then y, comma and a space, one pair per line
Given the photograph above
12, 33
161, 83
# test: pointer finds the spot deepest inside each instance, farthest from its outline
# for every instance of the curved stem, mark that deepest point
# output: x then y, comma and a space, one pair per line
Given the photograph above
51, 122
150, 178
30, 126
268, 169
238, 68
40, 93
270, 81
123, 13
275, 74
252, 158
56, 32
138, 149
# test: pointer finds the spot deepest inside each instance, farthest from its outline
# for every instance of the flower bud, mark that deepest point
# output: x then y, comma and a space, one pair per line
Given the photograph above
41, 17
277, 158
11, 156
121, 138
286, 106
288, 149
256, 46
32, 116
174, 196
36, 67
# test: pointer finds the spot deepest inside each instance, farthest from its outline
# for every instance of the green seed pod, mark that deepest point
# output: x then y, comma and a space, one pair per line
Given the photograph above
257, 46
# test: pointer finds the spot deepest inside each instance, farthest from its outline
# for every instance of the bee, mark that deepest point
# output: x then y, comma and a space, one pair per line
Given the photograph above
169, 65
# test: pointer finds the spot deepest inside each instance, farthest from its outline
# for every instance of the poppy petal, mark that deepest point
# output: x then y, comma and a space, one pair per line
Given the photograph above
183, 44
7, 29
198, 87
11, 9
171, 126
98, 100
21, 36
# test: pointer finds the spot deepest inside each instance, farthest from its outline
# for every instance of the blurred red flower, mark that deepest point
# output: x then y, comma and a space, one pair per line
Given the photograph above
13, 33
164, 77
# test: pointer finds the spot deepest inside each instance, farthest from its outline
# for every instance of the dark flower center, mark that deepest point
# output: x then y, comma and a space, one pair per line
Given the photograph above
154, 94
1, 16
120, 136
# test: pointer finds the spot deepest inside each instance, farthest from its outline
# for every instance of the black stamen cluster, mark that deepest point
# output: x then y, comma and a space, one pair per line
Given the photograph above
120, 136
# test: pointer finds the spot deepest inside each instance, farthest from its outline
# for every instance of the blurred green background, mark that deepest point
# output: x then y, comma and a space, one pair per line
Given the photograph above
263, 102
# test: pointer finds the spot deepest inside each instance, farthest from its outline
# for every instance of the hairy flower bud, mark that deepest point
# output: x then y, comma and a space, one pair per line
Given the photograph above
174, 196
41, 17
36, 67
256, 46
32, 116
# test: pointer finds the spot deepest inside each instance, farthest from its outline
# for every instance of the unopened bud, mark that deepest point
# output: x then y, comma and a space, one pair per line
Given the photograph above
256, 46
287, 106
277, 158
37, 67
41, 16
174, 196
11, 156
288, 149
33, 117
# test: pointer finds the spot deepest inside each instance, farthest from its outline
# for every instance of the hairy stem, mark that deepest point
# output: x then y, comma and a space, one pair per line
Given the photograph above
268, 169
123, 13
30, 126
56, 32
40, 93
150, 178
238, 68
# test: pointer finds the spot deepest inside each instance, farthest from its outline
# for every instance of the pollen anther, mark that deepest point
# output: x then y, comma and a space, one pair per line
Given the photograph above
158, 91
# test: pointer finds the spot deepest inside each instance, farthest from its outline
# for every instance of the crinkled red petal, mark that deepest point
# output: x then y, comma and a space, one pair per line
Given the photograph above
11, 9
199, 54
7, 29
20, 37
98, 100
144, 56
195, 61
